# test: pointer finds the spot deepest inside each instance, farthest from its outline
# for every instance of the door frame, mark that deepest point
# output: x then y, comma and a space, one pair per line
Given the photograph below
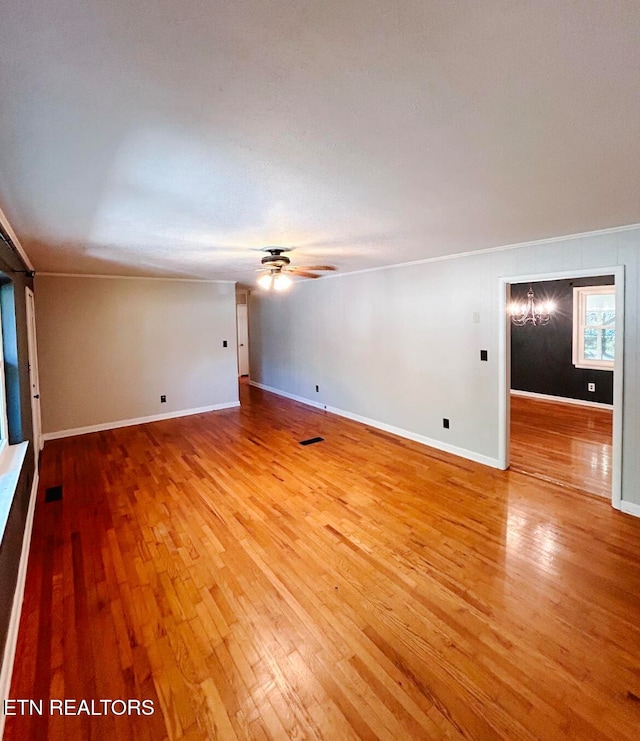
34, 388
504, 365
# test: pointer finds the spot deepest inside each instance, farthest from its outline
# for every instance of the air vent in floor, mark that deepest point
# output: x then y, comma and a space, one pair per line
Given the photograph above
53, 494
312, 440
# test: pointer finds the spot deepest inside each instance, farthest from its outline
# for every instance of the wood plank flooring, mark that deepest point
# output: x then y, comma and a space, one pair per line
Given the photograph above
363, 587
564, 443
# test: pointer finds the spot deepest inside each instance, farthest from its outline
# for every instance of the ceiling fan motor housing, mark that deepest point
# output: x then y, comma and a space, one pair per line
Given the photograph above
275, 261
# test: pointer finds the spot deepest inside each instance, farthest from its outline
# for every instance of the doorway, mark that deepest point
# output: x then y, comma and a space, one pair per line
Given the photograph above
243, 340
543, 432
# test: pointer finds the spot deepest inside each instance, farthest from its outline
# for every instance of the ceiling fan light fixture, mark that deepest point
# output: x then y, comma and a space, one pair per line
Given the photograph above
277, 270
281, 282
266, 281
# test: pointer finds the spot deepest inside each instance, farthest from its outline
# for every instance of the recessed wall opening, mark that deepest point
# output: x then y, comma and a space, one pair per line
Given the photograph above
561, 378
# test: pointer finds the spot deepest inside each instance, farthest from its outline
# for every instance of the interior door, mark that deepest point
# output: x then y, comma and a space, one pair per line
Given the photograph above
243, 340
33, 375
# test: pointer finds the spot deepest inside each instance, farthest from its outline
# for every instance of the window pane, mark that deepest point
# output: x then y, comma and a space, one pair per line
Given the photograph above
591, 344
593, 318
599, 318
609, 317
608, 344
601, 302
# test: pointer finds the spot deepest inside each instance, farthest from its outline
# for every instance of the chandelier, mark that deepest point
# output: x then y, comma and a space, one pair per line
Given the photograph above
531, 313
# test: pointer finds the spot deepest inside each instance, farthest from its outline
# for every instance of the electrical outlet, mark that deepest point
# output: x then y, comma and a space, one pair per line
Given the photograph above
445, 423
591, 387
317, 389
224, 343
163, 399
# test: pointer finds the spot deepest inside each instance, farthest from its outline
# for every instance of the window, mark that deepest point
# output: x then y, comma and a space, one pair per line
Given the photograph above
11, 456
594, 327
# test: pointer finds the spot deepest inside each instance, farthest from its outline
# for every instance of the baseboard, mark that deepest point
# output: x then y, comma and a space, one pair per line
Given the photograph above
16, 609
400, 432
630, 508
561, 399
137, 421
287, 395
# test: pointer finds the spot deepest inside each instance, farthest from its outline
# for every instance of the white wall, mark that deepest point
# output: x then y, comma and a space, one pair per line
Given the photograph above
400, 346
108, 348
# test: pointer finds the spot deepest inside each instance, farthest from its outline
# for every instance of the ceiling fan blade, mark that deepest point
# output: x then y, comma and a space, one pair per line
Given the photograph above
313, 267
303, 273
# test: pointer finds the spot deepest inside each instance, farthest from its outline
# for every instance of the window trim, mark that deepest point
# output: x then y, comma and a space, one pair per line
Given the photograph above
580, 294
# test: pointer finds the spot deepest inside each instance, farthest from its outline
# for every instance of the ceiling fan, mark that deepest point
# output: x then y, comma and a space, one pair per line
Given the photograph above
277, 268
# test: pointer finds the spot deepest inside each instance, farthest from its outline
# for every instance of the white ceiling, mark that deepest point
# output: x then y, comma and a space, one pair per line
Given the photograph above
166, 137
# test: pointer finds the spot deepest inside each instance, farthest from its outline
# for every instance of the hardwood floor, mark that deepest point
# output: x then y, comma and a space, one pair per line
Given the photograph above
362, 587
564, 443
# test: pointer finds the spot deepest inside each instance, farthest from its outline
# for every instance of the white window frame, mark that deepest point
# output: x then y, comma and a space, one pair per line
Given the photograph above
579, 312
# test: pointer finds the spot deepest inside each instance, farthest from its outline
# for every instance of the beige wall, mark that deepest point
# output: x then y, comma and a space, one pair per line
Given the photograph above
109, 347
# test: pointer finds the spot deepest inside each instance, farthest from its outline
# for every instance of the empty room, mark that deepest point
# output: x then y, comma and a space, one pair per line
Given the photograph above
319, 370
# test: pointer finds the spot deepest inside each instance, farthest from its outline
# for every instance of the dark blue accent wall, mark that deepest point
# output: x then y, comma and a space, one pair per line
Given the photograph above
541, 357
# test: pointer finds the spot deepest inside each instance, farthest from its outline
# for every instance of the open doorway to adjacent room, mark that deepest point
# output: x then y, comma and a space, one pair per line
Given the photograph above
563, 385
242, 322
